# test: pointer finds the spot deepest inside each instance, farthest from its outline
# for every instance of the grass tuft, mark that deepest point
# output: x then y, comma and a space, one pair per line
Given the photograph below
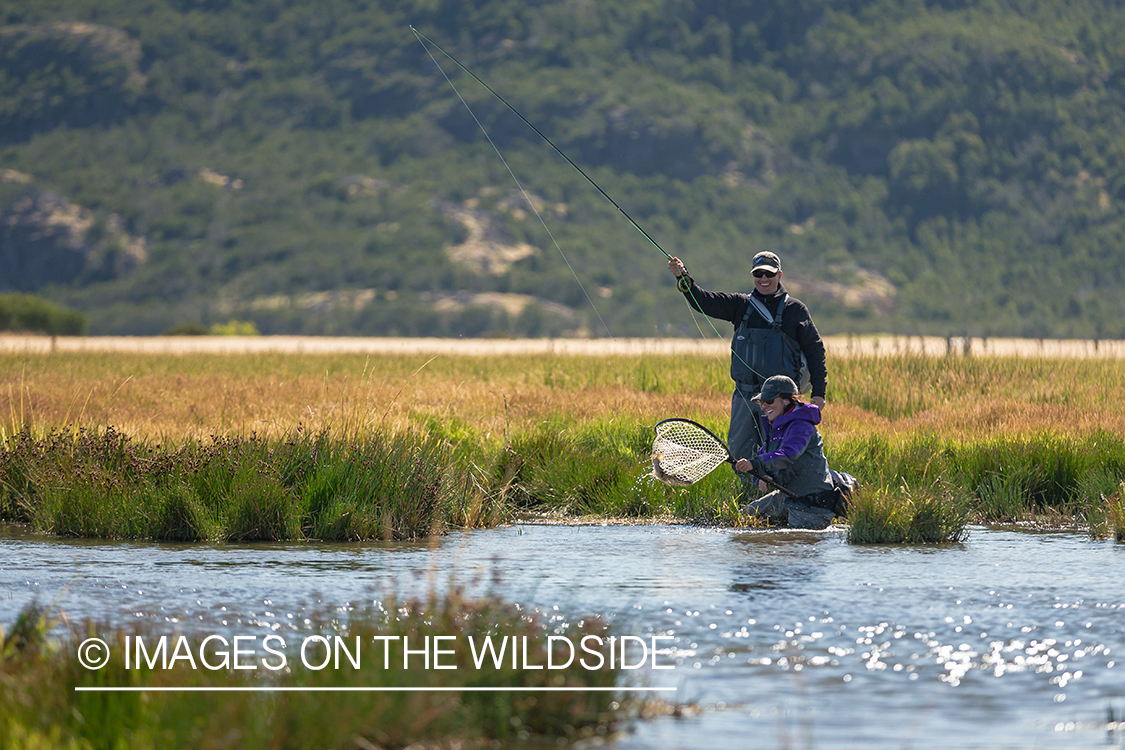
1105, 517
27, 633
261, 509
180, 515
932, 514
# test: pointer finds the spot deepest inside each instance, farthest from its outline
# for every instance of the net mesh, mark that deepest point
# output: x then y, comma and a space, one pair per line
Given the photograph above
683, 453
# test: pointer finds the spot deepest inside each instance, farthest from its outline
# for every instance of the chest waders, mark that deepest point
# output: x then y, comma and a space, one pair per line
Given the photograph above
760, 353
757, 354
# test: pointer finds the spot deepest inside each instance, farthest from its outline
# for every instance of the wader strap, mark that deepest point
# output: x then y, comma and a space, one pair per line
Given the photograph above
756, 305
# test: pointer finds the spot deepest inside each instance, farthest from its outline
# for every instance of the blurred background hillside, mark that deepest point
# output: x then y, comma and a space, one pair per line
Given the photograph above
935, 167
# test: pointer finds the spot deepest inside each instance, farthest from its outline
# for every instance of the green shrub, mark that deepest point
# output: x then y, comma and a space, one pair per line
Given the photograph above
235, 328
26, 312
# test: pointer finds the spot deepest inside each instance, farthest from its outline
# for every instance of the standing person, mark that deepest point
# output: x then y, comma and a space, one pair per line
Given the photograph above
793, 456
772, 331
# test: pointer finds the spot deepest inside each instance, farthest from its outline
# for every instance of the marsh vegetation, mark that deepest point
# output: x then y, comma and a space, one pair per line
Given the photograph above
271, 446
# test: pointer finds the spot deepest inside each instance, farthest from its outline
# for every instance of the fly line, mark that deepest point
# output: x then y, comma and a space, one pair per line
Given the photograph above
424, 41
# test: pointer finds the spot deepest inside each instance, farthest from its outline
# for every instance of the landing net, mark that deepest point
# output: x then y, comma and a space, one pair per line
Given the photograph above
684, 452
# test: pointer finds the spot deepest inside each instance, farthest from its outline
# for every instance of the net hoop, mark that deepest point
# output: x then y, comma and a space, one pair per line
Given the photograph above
683, 452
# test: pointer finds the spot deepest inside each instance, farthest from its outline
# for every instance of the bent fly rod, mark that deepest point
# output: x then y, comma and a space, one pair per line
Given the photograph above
540, 133
420, 37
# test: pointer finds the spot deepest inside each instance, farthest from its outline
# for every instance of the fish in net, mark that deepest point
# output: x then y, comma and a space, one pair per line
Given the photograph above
684, 452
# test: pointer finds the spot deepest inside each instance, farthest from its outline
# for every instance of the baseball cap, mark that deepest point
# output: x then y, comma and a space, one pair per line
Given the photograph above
766, 261
775, 386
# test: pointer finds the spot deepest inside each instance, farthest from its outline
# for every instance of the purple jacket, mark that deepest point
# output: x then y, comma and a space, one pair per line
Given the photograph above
793, 451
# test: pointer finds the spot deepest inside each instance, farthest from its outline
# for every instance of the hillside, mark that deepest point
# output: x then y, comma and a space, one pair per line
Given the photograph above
923, 168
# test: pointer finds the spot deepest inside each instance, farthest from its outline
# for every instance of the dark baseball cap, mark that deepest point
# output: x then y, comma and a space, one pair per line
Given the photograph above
776, 386
766, 261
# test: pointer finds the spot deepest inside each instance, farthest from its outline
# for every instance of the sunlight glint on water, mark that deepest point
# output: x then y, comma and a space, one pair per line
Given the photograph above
795, 639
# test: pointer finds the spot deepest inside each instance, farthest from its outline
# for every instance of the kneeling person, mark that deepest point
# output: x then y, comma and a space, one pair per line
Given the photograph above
793, 456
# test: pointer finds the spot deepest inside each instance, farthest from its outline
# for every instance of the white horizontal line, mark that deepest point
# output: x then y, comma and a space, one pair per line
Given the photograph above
838, 346
130, 689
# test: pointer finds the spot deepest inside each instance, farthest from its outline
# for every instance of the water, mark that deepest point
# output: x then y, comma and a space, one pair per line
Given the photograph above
783, 639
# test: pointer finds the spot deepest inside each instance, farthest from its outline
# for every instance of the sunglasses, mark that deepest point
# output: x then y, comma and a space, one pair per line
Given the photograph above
761, 273
769, 401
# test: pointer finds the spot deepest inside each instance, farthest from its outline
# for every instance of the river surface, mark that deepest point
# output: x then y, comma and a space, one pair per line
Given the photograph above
783, 639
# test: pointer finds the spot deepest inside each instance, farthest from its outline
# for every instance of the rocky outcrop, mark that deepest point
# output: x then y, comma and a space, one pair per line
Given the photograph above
487, 248
47, 239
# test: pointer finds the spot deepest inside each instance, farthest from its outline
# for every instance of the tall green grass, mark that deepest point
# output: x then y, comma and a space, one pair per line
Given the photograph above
383, 485
373, 486
39, 707
934, 485
1004, 478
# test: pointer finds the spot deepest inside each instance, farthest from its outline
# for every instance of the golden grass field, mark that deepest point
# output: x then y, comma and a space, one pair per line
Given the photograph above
176, 388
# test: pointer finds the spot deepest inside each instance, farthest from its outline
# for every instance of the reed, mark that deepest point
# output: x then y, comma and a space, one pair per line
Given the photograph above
415, 484
371, 487
260, 508
180, 515
40, 708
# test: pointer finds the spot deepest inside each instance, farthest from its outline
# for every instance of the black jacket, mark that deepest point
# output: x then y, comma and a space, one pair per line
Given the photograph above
796, 322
